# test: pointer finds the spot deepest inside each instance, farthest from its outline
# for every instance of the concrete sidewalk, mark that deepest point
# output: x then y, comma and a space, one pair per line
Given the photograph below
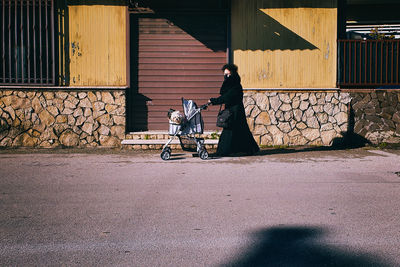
285, 207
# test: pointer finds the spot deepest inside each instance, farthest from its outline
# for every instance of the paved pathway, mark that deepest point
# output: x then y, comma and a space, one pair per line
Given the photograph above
284, 208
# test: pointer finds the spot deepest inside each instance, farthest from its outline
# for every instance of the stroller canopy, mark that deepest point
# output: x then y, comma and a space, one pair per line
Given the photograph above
193, 115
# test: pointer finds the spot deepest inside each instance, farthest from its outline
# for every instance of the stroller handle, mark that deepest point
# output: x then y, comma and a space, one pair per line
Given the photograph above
204, 106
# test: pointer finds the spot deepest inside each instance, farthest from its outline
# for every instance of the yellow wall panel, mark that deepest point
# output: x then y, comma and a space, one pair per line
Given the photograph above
97, 45
285, 44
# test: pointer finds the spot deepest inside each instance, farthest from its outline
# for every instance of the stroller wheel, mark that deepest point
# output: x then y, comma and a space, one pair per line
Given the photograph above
203, 154
166, 154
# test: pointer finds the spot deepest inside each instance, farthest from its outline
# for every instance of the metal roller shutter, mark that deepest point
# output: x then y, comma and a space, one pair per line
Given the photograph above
179, 55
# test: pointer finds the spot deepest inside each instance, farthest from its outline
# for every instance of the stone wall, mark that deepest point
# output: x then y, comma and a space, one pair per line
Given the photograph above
377, 115
296, 118
97, 118
61, 118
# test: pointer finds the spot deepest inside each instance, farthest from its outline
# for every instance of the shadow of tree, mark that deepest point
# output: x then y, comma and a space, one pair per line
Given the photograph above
299, 246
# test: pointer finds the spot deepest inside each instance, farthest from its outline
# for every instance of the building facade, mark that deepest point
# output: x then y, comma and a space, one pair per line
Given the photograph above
87, 73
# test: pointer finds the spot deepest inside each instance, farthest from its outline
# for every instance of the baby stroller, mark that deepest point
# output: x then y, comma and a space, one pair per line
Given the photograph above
185, 130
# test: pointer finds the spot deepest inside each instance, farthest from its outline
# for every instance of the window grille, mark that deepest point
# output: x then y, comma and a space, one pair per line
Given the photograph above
28, 46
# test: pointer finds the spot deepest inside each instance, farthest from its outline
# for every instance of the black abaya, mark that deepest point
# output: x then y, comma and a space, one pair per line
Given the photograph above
237, 138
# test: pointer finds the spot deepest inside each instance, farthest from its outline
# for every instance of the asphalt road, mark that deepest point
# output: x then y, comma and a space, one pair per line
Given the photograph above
282, 208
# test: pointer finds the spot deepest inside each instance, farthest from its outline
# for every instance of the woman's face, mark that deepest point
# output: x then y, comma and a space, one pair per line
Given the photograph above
227, 72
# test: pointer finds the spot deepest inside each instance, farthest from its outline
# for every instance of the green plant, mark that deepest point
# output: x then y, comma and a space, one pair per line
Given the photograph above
214, 135
378, 35
383, 145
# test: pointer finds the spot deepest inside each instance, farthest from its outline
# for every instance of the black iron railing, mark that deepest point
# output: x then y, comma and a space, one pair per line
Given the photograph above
27, 42
368, 63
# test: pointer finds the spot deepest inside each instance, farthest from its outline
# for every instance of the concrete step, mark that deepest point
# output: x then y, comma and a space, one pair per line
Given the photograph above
161, 142
157, 139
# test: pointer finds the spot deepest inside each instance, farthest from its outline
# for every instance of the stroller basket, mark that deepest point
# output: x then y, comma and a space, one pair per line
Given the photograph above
188, 143
174, 128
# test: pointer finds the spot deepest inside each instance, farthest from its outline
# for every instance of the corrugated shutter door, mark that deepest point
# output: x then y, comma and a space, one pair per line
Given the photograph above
180, 57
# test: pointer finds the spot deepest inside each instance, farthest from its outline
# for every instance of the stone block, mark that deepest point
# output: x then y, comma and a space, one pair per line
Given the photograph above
71, 120
37, 106
97, 114
276, 134
309, 112
98, 106
80, 120
46, 118
78, 112
285, 107
318, 108
119, 120
272, 116
10, 111
266, 140
67, 111
69, 139
296, 102
328, 97
82, 95
262, 101
396, 117
275, 102
341, 118
105, 119
263, 118
110, 108
61, 95
304, 96
25, 140
61, 119
248, 100
297, 114
59, 128
260, 130
294, 132
312, 99
284, 97
85, 103
48, 95
288, 115
311, 134
119, 111
255, 112
284, 127
301, 126
88, 112
312, 122
304, 105
7, 100
298, 140
279, 115
103, 130
92, 97
107, 97
87, 128
374, 119
53, 110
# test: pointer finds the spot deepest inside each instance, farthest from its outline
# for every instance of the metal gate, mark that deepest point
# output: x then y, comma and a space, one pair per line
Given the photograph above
27, 38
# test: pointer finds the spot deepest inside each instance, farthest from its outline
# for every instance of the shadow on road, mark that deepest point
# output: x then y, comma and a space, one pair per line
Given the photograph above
299, 246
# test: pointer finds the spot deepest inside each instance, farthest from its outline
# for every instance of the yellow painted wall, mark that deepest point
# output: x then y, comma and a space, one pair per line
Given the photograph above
97, 36
285, 44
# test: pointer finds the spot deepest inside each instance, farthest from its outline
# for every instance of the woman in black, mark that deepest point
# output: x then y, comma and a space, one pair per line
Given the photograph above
236, 138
